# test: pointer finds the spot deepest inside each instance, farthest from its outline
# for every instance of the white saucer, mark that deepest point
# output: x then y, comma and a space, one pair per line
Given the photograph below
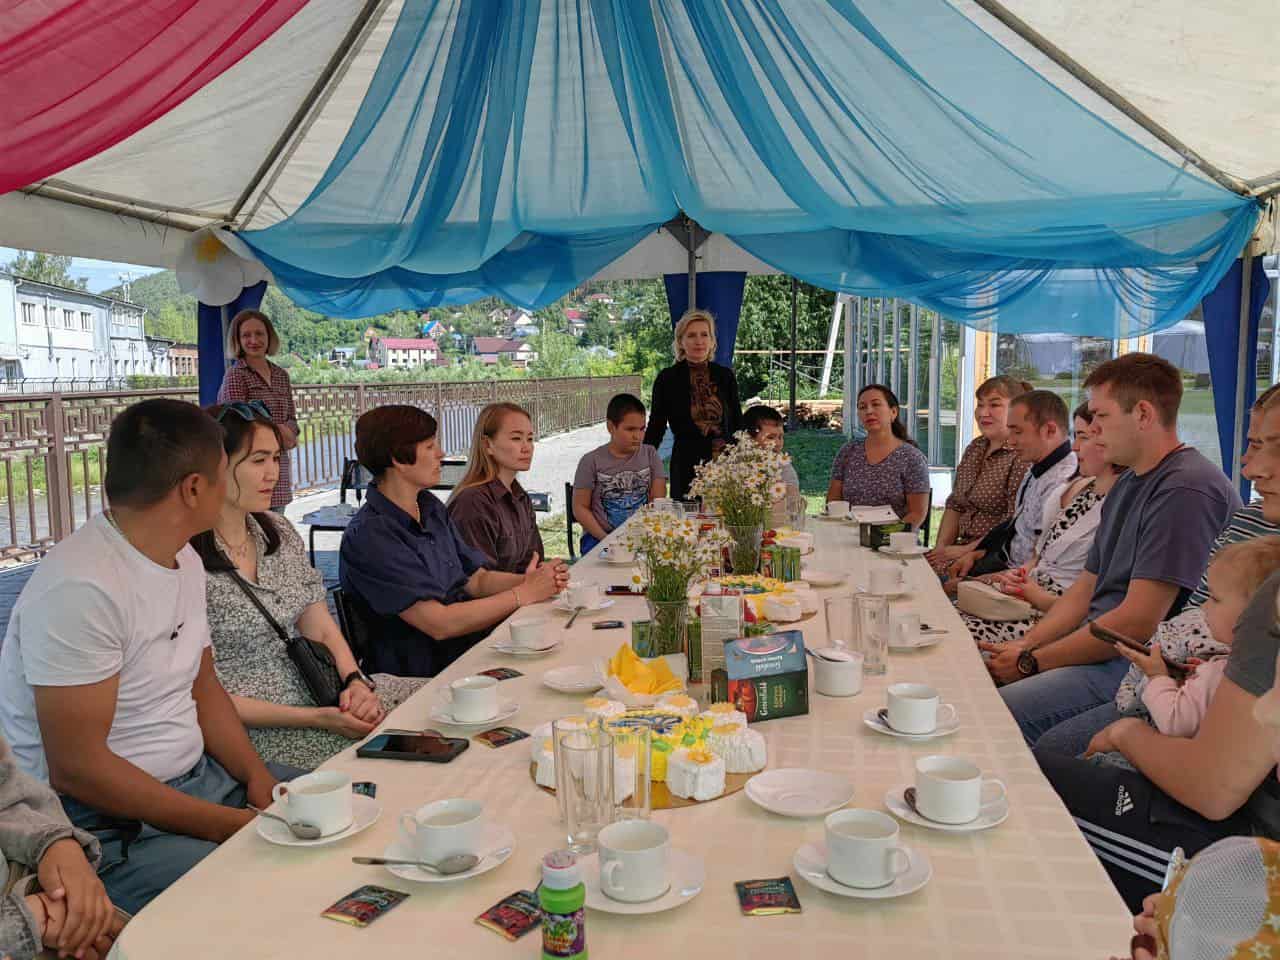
810, 862
365, 812
921, 642
441, 713
992, 813
872, 719
499, 841
578, 678
504, 646
687, 879
822, 578
617, 561
823, 516
919, 550
797, 792
562, 605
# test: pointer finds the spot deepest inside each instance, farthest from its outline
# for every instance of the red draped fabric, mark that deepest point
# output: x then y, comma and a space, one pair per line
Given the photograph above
77, 76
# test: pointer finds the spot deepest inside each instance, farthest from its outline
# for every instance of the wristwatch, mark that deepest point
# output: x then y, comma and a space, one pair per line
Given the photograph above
1028, 665
358, 675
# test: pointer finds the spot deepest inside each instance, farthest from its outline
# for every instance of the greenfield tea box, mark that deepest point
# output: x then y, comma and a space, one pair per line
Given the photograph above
765, 677
876, 535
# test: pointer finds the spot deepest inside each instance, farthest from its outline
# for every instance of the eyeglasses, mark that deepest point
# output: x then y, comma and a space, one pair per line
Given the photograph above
245, 410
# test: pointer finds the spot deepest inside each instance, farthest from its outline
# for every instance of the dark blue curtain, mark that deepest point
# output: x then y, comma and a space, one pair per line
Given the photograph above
719, 291
212, 346
1222, 337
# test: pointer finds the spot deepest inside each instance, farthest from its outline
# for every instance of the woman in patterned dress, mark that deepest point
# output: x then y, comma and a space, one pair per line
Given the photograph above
885, 469
1064, 545
251, 340
987, 479
284, 723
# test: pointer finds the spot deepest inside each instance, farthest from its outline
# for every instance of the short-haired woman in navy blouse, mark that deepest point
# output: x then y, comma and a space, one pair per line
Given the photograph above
403, 557
886, 469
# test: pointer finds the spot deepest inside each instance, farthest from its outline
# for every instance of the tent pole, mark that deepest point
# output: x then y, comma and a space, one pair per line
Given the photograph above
693, 268
895, 377
791, 373
842, 303
852, 317
1077, 70
1242, 362
935, 387
913, 339
880, 348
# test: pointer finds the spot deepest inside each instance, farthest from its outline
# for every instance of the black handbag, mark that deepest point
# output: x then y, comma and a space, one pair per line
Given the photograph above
314, 661
996, 544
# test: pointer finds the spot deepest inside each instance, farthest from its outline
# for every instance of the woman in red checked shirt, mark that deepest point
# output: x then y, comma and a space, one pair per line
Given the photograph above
252, 339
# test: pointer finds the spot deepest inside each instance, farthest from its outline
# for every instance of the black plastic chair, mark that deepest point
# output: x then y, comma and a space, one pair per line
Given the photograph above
354, 478
568, 519
357, 622
928, 518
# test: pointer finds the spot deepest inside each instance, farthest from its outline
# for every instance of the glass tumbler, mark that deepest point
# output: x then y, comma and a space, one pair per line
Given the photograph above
584, 781
872, 619
841, 631
631, 740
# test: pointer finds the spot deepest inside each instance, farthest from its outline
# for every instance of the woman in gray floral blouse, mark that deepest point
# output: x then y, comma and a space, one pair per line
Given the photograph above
284, 723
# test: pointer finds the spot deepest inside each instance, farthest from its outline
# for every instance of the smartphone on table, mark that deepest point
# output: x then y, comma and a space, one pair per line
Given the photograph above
423, 747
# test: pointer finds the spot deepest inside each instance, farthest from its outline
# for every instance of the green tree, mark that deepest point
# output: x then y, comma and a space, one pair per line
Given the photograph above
46, 268
598, 331
559, 355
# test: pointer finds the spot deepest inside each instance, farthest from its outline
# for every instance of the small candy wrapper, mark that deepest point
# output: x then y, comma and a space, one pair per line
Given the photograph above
364, 905
513, 916
501, 673
366, 788
767, 898
500, 736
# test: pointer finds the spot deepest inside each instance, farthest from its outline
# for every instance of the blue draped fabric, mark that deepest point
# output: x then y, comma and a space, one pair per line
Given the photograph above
1222, 339
719, 291
211, 344
515, 147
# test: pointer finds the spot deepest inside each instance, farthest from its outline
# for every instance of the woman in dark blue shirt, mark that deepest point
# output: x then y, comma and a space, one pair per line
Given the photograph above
404, 558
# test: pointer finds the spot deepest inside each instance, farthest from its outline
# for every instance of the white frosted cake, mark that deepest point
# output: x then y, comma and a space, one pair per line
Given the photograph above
695, 773
719, 713
682, 705
602, 708
624, 768
742, 749
783, 608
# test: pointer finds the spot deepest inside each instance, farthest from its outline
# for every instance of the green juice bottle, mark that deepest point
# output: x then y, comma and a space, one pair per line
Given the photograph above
563, 897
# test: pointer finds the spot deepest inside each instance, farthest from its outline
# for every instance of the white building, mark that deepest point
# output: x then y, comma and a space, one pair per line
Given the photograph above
49, 332
402, 352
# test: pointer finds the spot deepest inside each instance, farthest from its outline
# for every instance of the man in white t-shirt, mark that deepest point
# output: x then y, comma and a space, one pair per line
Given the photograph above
107, 686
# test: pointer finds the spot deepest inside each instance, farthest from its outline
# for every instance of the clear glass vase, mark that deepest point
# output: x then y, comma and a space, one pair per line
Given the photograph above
668, 626
744, 551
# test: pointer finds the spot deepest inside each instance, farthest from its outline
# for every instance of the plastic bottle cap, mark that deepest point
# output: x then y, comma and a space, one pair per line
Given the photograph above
560, 870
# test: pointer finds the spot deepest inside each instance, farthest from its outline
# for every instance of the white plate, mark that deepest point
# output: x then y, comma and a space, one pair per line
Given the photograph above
499, 841
797, 792
441, 713
921, 642
919, 550
504, 646
562, 605
687, 879
365, 812
872, 719
993, 812
823, 516
578, 678
810, 862
822, 578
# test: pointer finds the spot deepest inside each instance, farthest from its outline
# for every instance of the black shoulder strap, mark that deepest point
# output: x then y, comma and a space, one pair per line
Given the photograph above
262, 608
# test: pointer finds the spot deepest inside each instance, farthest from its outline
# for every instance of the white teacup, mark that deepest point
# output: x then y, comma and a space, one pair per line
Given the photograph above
633, 860
617, 553
474, 699
322, 799
863, 849
444, 828
903, 541
837, 508
950, 790
837, 673
885, 580
665, 503
904, 628
917, 708
583, 594
529, 633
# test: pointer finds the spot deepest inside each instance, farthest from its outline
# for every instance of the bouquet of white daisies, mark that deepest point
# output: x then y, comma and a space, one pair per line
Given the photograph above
671, 552
743, 483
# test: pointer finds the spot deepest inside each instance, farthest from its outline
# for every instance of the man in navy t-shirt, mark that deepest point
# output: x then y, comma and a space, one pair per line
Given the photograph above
1158, 527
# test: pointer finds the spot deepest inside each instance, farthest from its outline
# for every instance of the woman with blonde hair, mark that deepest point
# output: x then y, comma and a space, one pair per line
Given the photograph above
251, 339
489, 507
697, 398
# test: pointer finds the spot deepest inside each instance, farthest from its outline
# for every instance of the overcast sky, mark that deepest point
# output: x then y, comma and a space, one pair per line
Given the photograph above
101, 274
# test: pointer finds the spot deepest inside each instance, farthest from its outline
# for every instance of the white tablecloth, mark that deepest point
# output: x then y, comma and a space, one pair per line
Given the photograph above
1028, 888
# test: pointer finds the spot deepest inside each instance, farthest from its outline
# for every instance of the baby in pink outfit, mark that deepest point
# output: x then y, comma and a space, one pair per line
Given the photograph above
1236, 572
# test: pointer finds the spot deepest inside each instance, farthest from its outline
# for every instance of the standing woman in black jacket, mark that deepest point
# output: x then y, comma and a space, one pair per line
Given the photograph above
697, 398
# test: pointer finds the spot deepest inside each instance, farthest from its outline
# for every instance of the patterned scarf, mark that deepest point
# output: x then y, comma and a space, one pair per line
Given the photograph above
705, 406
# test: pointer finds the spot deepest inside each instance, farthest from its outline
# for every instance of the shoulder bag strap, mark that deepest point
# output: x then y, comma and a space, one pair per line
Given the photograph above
262, 607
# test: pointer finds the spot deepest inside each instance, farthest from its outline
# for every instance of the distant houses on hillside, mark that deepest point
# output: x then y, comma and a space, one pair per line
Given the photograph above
399, 352
492, 350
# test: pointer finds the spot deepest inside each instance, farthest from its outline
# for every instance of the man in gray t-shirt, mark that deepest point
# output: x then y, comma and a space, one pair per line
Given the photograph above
1158, 527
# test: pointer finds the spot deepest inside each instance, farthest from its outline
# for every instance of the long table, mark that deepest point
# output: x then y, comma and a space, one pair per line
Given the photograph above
1030, 887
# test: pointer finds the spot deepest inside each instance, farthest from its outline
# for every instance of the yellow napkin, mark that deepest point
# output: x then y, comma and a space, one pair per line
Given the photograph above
640, 676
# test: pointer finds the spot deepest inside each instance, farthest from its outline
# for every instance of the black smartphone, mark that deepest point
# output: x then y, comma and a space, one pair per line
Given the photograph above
607, 625
412, 746
1110, 636
619, 590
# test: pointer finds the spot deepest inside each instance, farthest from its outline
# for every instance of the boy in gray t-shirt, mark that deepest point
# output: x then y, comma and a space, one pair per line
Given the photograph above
614, 481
